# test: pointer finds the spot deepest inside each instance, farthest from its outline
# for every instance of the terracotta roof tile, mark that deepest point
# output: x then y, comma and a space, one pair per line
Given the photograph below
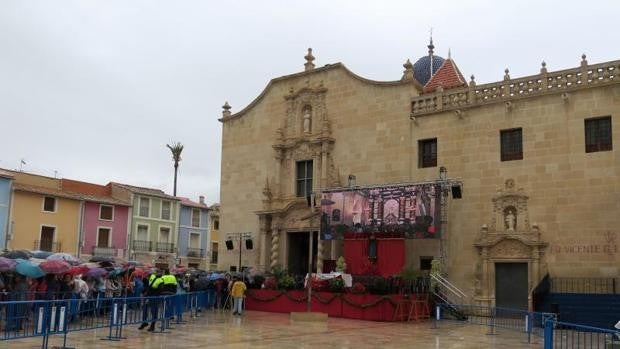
448, 76
188, 202
145, 191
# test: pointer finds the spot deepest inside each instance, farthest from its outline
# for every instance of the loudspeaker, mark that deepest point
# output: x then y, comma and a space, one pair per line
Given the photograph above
249, 244
229, 245
456, 192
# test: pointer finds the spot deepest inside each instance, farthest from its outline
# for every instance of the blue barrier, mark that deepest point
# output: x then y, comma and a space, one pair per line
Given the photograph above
44, 318
566, 335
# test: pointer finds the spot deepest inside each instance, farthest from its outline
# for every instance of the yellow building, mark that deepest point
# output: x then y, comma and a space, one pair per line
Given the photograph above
43, 216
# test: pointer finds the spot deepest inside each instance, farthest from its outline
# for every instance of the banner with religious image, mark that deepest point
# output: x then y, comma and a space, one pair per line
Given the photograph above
411, 211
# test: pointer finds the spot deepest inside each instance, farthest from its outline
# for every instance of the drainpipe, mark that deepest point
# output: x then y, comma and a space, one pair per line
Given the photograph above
9, 220
80, 230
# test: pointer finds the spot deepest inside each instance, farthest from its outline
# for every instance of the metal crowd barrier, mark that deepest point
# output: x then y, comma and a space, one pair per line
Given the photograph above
527, 322
44, 318
566, 335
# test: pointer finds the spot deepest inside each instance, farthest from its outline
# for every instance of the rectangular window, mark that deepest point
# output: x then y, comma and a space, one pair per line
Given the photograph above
49, 204
106, 212
195, 217
143, 233
304, 178
511, 144
103, 237
214, 247
216, 225
165, 210
144, 207
426, 262
194, 240
598, 134
164, 234
427, 153
47, 239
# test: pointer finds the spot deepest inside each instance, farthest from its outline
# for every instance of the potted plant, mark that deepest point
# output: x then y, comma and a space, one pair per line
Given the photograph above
336, 285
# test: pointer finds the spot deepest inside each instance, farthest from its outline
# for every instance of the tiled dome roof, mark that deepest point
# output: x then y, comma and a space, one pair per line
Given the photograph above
422, 68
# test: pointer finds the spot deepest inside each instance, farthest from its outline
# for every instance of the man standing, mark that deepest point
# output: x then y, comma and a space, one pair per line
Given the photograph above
151, 292
237, 291
168, 286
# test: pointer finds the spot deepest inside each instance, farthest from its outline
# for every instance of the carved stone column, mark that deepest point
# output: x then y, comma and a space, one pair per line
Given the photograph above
319, 254
275, 247
485, 272
324, 148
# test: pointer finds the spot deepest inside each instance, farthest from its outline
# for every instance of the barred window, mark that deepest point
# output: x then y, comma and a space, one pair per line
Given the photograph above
598, 134
427, 153
511, 143
304, 178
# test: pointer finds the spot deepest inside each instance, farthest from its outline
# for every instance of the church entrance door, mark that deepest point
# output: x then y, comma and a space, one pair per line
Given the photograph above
298, 252
511, 285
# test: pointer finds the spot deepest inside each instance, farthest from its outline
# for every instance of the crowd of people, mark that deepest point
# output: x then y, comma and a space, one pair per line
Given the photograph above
91, 293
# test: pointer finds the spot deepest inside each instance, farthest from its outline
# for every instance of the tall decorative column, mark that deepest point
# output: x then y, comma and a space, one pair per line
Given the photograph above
275, 247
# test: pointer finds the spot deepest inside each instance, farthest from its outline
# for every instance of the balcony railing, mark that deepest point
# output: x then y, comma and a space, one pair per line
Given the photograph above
104, 251
164, 247
49, 246
195, 252
141, 245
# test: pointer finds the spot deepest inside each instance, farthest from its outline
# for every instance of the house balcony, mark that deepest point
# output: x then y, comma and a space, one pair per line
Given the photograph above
142, 246
195, 252
164, 247
105, 251
48, 246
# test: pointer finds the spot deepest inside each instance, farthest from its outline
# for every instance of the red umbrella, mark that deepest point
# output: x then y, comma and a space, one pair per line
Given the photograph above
78, 269
138, 272
55, 267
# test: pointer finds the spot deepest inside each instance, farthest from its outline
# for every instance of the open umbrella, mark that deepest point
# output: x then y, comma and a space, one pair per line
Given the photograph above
179, 270
63, 257
78, 269
55, 267
96, 273
102, 259
215, 276
21, 254
26, 268
7, 264
41, 254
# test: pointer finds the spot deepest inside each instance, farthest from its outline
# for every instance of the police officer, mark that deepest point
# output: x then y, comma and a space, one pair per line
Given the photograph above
151, 291
168, 285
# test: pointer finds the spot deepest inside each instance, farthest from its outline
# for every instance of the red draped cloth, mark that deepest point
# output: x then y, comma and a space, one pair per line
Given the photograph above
390, 256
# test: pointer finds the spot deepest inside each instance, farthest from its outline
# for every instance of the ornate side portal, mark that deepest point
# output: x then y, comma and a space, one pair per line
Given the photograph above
509, 239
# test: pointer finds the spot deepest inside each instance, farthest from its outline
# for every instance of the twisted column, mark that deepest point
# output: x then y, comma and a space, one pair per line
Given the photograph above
319, 255
275, 247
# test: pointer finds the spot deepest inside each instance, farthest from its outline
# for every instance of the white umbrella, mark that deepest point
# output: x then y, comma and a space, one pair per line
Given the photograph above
63, 257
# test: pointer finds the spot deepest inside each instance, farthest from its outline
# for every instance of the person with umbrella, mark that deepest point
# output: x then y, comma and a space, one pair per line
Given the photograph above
16, 312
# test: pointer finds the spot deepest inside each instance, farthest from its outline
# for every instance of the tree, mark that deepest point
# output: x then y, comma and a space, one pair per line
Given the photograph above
176, 150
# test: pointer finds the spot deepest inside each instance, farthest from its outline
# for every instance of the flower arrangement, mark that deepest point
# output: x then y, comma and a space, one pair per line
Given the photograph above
341, 265
358, 288
336, 285
271, 283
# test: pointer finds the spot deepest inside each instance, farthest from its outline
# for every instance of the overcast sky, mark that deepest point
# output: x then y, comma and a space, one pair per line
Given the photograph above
95, 89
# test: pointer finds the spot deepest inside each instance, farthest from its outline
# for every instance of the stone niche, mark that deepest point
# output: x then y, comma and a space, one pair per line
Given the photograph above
509, 238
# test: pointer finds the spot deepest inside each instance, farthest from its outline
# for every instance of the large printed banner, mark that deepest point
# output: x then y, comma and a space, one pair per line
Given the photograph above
410, 211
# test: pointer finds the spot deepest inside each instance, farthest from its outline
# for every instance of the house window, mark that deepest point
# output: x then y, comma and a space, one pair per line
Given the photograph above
194, 240
426, 262
195, 217
598, 134
427, 153
143, 232
106, 212
511, 143
165, 210
49, 204
103, 237
216, 225
214, 247
144, 207
46, 243
304, 178
164, 234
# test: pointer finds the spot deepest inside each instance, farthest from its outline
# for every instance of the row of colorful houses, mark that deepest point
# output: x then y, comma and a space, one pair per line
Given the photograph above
116, 220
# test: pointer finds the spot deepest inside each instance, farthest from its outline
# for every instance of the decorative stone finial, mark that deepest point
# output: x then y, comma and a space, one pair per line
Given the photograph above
430, 45
408, 72
309, 58
584, 62
506, 74
472, 82
543, 67
226, 111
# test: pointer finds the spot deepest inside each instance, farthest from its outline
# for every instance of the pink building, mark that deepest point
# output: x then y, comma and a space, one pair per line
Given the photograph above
104, 220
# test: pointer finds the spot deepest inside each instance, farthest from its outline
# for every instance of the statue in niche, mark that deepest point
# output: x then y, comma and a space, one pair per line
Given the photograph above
510, 219
307, 119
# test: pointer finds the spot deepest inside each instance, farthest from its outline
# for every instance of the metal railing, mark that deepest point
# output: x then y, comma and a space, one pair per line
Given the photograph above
47, 246
164, 247
104, 251
195, 252
567, 335
584, 285
446, 291
142, 245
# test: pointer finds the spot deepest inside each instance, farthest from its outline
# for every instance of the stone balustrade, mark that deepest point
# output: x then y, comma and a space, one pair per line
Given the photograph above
512, 89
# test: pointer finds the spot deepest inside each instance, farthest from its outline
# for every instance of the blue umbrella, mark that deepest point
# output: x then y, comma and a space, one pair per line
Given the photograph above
41, 254
215, 276
27, 268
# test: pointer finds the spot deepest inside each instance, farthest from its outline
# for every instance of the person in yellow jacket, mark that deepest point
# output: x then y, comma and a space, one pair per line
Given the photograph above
237, 292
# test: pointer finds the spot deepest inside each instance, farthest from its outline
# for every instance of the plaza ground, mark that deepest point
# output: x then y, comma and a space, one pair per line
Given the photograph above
273, 330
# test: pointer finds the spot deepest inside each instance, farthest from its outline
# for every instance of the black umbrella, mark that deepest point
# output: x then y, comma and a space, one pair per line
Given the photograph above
19, 254
97, 259
201, 284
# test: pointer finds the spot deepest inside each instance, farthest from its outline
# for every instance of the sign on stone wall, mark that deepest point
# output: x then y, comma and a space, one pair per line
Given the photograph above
598, 243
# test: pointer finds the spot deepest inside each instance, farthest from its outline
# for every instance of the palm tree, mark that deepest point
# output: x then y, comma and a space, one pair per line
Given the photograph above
176, 150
